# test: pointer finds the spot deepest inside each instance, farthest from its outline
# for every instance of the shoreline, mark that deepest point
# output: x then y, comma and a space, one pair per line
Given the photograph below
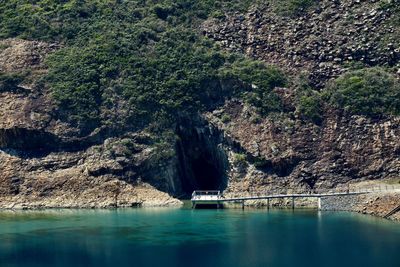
355, 204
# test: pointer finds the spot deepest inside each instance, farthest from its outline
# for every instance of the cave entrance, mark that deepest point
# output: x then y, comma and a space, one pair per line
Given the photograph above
206, 175
203, 161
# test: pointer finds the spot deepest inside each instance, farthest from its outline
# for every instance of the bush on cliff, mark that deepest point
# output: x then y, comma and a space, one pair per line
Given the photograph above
262, 79
309, 107
308, 102
372, 92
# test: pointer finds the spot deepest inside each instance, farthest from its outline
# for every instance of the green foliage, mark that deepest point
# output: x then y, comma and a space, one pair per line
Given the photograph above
162, 11
385, 4
163, 147
136, 63
310, 108
239, 158
372, 92
3, 47
262, 80
69, 19
225, 118
308, 102
143, 63
260, 162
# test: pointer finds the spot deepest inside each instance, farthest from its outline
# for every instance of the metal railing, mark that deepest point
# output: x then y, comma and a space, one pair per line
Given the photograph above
208, 193
393, 211
339, 190
212, 194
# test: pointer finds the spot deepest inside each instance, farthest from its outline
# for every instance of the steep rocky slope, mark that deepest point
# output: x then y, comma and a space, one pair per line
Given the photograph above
323, 42
284, 151
45, 162
287, 153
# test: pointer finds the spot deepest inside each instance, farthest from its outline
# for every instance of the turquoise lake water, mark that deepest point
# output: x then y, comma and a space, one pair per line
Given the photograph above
183, 237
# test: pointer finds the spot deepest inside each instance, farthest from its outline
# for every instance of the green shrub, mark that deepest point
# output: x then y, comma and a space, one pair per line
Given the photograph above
308, 102
162, 11
310, 108
385, 4
3, 47
218, 14
239, 158
225, 118
261, 79
372, 92
260, 162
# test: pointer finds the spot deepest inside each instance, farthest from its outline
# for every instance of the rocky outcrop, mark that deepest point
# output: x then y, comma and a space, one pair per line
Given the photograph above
45, 163
22, 55
323, 42
285, 153
109, 175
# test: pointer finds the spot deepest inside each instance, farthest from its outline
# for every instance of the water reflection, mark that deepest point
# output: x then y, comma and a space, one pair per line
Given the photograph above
183, 237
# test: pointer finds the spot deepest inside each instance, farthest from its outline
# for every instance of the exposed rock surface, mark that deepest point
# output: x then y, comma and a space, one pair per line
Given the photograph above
290, 153
22, 55
323, 42
43, 164
47, 163
101, 176
283, 154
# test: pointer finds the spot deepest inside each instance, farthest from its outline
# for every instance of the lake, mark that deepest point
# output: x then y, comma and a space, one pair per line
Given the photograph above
185, 237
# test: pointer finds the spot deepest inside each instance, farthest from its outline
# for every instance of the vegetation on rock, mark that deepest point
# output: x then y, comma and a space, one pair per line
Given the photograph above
144, 57
309, 105
371, 91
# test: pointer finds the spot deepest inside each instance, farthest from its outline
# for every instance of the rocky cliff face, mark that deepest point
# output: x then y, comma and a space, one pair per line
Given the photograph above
44, 164
286, 154
47, 163
283, 152
323, 42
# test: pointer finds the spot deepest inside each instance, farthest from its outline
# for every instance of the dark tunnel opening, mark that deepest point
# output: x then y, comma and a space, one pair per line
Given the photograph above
206, 175
203, 163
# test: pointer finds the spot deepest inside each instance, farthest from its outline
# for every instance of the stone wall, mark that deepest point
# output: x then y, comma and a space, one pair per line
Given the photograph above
377, 204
